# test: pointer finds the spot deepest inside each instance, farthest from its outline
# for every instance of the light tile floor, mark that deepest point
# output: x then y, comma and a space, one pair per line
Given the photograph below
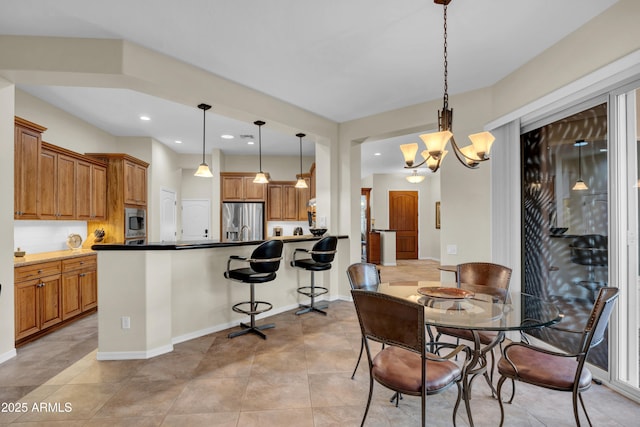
299, 376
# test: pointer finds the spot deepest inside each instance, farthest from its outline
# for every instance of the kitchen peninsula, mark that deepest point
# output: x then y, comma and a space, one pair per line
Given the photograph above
155, 295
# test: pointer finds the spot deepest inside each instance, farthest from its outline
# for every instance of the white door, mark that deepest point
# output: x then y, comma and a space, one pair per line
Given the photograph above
196, 219
167, 215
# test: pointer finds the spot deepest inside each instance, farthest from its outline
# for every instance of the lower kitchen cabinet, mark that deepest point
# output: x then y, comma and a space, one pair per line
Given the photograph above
49, 294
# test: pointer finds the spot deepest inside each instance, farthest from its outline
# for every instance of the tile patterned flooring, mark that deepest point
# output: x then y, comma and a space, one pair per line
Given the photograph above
299, 376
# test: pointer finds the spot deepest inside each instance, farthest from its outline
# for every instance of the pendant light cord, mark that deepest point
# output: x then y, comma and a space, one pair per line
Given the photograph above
446, 73
204, 128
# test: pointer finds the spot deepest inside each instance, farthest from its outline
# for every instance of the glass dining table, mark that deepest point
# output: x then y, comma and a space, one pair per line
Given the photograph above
476, 308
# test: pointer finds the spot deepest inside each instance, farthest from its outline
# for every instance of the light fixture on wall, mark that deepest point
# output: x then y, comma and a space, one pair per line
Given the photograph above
414, 178
260, 178
436, 142
203, 170
580, 185
301, 182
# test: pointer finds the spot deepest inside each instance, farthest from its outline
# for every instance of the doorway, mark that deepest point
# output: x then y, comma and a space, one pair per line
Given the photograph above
403, 218
196, 219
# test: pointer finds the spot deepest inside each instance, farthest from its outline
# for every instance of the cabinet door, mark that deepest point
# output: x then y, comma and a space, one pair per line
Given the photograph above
27, 154
135, 184
71, 302
47, 184
274, 202
232, 188
99, 192
253, 191
27, 308
83, 190
89, 289
289, 203
65, 187
50, 294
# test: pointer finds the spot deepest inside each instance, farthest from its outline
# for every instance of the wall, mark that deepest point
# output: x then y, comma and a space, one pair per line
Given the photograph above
7, 102
280, 168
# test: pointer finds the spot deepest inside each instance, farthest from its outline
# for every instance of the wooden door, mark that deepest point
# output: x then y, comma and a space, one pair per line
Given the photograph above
71, 303
50, 301
27, 308
65, 187
47, 185
89, 289
83, 190
27, 154
274, 202
98, 192
403, 218
232, 188
252, 191
289, 203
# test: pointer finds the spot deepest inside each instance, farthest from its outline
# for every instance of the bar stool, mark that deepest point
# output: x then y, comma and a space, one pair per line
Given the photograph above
263, 264
322, 255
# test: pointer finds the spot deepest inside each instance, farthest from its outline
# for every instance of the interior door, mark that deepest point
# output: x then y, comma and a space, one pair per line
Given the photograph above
196, 219
403, 218
167, 215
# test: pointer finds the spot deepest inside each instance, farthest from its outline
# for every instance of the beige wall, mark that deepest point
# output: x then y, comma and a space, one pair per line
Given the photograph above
280, 168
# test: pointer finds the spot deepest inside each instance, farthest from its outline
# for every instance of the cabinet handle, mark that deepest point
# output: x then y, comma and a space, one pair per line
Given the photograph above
39, 271
82, 274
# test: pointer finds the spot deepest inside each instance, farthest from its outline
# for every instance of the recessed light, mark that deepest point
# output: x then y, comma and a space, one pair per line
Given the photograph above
226, 136
377, 154
249, 142
145, 118
580, 143
178, 142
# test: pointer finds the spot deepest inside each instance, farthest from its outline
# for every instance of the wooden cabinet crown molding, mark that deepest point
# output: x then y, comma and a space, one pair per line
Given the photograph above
19, 121
105, 157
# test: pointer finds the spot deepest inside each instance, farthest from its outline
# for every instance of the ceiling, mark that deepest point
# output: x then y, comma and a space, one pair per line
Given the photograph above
341, 59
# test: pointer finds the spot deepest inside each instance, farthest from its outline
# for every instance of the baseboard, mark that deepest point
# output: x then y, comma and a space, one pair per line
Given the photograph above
133, 355
8, 355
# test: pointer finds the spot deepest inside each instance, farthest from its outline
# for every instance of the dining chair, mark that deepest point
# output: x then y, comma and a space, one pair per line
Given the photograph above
363, 275
404, 365
554, 370
494, 276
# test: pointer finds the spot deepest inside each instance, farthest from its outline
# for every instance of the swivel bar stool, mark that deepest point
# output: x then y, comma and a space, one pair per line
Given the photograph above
322, 255
263, 264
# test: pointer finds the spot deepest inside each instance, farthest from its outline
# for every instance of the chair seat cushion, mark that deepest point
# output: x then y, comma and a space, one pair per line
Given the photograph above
309, 264
486, 337
542, 369
248, 275
399, 369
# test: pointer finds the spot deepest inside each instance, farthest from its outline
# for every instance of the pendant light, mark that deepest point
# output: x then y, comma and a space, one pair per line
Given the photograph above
301, 182
203, 170
260, 178
414, 178
580, 185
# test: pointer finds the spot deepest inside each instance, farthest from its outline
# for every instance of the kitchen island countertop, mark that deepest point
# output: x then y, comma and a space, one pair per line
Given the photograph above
198, 244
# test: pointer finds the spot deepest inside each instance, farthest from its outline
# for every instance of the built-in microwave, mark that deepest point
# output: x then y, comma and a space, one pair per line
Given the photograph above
134, 223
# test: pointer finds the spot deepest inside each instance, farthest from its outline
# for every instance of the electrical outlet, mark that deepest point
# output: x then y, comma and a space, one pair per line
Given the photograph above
126, 322
452, 249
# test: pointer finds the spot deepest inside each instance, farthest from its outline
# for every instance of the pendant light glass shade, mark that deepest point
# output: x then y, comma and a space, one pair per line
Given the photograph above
301, 183
414, 178
260, 178
203, 170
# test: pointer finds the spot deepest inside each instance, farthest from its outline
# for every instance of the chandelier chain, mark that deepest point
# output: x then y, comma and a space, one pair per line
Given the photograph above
446, 84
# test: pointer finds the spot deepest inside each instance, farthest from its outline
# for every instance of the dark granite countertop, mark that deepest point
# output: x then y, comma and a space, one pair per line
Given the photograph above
196, 244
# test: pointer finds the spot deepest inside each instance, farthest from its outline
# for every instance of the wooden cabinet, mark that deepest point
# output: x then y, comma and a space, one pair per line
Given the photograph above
79, 285
49, 294
56, 184
312, 182
91, 191
135, 183
27, 141
239, 186
373, 248
286, 202
303, 196
37, 298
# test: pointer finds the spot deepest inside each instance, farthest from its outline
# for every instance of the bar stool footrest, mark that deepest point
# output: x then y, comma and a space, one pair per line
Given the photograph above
312, 291
252, 311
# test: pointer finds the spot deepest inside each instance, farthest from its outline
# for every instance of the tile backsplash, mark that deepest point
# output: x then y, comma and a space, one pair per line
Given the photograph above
45, 236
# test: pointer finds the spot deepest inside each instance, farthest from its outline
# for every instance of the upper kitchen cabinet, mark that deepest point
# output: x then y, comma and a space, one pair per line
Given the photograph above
286, 202
91, 191
56, 184
239, 186
312, 181
27, 141
135, 182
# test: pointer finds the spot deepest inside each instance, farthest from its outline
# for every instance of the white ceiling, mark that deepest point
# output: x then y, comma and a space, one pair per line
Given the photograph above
341, 59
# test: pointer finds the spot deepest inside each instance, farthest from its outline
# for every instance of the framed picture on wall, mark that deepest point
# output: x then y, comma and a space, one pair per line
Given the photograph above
438, 215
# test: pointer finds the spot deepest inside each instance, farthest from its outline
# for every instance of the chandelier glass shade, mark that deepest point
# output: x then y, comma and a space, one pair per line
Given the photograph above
469, 156
260, 178
203, 170
301, 183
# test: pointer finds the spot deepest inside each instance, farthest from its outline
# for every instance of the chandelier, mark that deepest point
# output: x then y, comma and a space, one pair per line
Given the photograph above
435, 142
414, 178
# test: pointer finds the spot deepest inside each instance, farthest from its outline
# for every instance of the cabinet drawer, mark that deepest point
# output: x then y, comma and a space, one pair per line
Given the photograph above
78, 263
36, 270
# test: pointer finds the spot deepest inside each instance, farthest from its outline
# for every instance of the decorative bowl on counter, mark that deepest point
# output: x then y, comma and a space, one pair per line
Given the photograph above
318, 231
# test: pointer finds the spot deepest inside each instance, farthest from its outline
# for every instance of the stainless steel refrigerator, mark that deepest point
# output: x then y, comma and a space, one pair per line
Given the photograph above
242, 221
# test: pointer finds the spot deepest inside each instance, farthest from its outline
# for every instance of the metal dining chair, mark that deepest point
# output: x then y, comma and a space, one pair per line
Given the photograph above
555, 370
363, 275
